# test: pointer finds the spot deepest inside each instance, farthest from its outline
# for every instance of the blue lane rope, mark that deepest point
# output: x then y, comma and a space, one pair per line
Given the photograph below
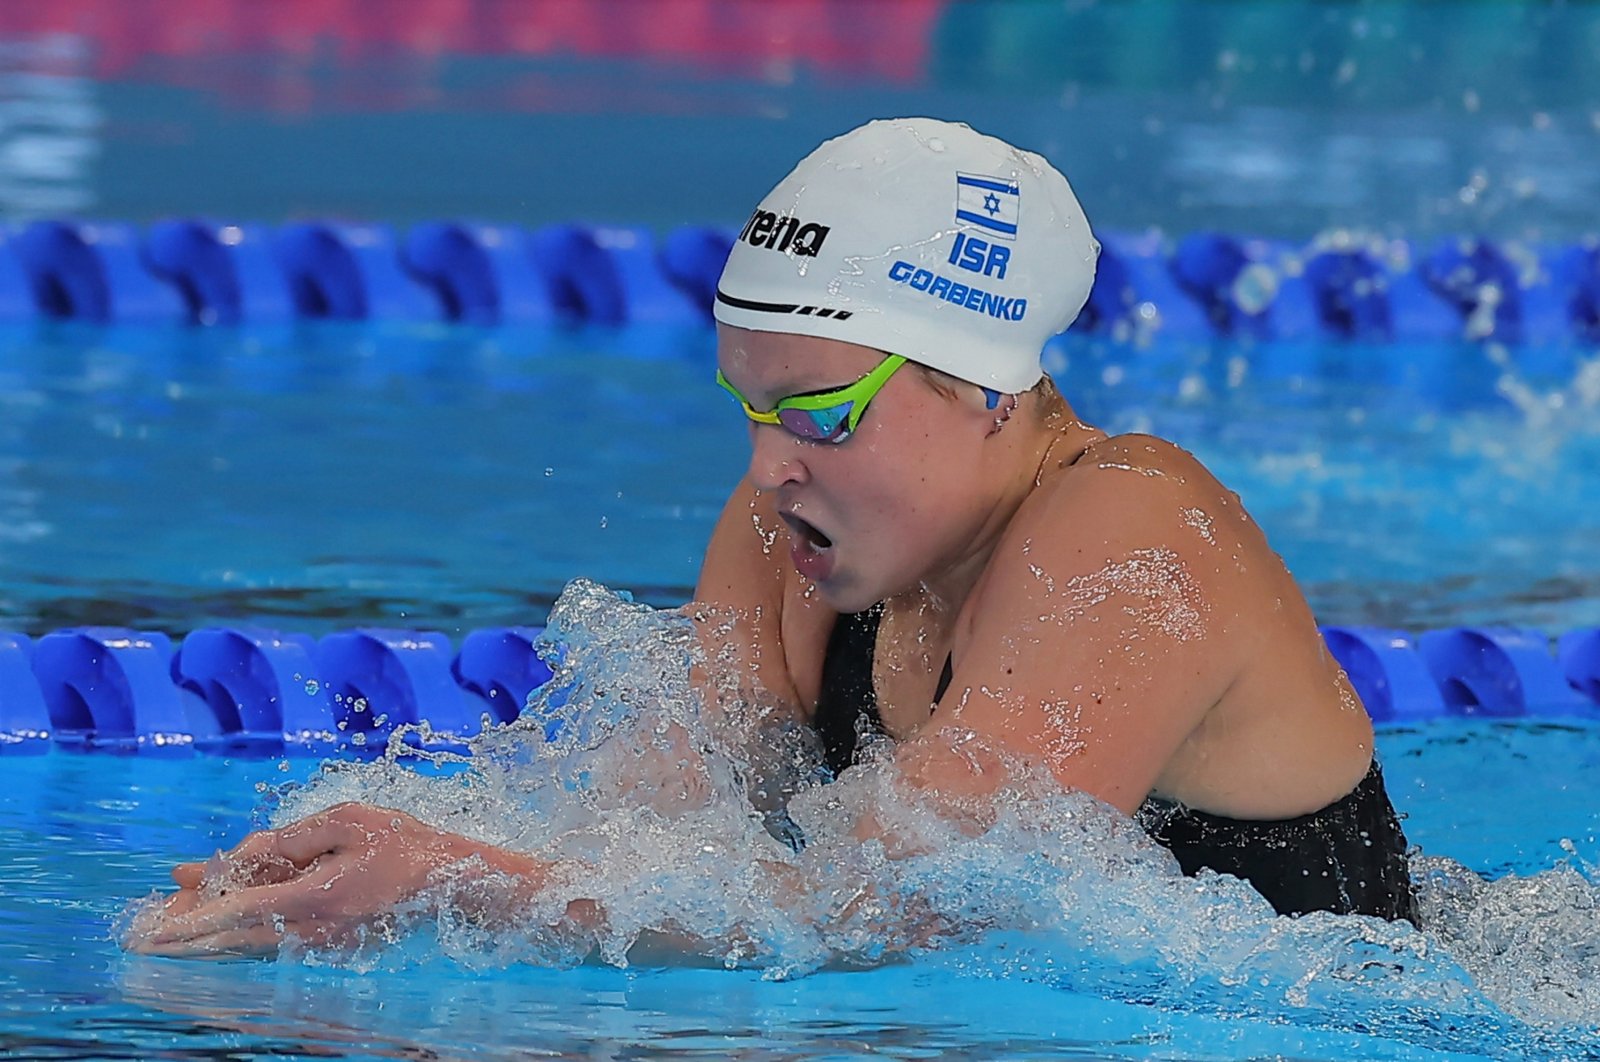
239, 691
1201, 285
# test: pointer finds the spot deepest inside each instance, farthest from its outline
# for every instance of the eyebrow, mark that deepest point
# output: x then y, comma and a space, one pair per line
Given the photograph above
818, 391
782, 394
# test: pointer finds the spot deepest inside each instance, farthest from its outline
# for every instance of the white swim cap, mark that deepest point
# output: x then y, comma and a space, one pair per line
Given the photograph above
921, 238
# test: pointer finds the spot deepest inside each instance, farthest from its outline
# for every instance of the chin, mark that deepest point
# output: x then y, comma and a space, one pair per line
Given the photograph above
846, 598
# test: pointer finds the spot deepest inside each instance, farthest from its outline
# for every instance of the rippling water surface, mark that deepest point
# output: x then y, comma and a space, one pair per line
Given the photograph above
1058, 932
450, 479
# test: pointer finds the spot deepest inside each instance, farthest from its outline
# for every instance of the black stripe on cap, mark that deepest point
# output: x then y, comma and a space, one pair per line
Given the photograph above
781, 307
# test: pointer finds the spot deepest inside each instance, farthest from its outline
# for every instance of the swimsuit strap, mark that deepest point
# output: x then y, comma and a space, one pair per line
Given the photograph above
847, 694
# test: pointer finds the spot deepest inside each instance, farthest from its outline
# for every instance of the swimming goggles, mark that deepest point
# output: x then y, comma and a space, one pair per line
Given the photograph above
822, 416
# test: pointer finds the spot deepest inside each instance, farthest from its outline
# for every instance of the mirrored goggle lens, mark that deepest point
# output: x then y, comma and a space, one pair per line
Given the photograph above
819, 425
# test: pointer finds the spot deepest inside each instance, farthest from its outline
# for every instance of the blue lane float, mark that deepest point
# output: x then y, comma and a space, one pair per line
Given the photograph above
349, 273
18, 300
241, 691
1150, 299
226, 274
1481, 284
1339, 286
692, 257
1579, 653
481, 274
24, 718
1489, 672
1349, 292
1215, 271
1114, 303
1387, 671
110, 689
377, 680
1499, 672
610, 276
1580, 272
261, 688
501, 666
93, 273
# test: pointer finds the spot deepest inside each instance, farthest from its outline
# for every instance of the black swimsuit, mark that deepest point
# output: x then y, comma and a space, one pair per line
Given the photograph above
1348, 858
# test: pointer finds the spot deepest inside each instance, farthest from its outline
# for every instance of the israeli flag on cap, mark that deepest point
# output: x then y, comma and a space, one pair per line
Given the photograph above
991, 203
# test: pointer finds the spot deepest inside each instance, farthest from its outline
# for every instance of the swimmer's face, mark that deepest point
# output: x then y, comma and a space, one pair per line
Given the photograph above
887, 508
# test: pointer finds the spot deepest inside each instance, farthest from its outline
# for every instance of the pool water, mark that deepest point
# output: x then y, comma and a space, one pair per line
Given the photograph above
445, 478
318, 477
83, 834
327, 477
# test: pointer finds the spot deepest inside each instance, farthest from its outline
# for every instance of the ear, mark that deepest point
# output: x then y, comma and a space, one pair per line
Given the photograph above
1002, 413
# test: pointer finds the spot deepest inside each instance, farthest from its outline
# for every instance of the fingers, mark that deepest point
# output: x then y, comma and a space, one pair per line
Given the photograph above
179, 903
252, 941
188, 917
311, 874
247, 942
268, 856
303, 842
150, 915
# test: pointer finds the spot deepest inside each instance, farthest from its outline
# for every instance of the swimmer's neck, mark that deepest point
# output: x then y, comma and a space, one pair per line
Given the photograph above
1028, 459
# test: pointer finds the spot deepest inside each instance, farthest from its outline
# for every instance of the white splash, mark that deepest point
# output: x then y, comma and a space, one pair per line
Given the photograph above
675, 820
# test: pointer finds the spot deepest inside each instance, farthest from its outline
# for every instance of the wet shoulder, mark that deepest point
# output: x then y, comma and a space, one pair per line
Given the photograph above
1128, 500
1134, 475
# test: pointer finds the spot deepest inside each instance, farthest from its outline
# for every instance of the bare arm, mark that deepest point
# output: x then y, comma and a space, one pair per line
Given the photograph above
1136, 634
335, 875
329, 880
762, 627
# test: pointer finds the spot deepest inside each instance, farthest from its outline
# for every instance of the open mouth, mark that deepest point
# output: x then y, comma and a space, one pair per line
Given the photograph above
807, 534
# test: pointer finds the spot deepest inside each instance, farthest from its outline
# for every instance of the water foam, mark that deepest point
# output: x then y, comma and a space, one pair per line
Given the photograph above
653, 804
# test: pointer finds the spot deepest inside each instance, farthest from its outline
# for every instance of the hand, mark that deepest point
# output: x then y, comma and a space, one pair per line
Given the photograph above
328, 880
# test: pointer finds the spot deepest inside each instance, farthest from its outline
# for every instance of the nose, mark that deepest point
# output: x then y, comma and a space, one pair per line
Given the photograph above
776, 458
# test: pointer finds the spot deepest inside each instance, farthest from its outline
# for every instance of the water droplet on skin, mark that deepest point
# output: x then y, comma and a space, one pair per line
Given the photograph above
1154, 587
767, 535
1125, 467
1201, 522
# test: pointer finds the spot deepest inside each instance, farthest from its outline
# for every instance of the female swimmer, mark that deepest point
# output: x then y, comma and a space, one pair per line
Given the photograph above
968, 565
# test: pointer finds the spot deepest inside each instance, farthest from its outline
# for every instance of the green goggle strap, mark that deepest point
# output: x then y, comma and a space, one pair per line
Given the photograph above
857, 394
